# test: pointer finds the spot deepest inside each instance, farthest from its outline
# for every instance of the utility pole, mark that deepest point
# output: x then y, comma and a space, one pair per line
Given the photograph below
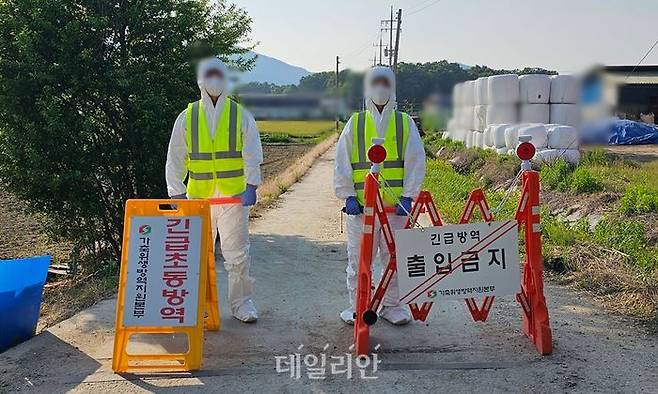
380, 49
337, 92
390, 39
397, 41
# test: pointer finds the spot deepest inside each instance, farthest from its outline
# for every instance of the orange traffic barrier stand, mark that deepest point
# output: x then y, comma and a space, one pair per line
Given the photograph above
460, 261
163, 286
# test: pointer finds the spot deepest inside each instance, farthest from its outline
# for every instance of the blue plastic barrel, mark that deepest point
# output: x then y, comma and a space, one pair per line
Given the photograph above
21, 287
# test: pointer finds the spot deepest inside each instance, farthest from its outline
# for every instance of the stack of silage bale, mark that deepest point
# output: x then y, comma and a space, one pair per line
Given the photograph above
468, 105
535, 91
565, 93
503, 98
480, 111
504, 107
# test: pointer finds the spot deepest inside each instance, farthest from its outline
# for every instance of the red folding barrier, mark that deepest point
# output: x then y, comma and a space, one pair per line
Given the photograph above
531, 297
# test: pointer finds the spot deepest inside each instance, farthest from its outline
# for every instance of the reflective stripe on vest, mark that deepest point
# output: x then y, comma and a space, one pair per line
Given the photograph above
396, 137
214, 164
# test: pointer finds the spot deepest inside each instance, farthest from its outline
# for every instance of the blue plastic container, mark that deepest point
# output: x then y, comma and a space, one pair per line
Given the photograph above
21, 288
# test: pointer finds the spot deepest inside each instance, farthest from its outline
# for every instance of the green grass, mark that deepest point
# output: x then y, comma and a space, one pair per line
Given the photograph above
639, 199
450, 189
563, 176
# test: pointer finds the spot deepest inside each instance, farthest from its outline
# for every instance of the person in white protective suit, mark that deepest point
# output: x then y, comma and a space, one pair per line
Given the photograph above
403, 170
215, 144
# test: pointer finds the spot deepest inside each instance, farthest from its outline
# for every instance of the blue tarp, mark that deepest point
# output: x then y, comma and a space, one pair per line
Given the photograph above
619, 132
21, 287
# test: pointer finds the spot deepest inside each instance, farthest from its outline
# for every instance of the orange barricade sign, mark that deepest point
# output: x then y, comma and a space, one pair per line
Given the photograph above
493, 238
167, 282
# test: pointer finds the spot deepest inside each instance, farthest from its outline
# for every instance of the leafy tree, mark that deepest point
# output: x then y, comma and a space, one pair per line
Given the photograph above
89, 91
317, 82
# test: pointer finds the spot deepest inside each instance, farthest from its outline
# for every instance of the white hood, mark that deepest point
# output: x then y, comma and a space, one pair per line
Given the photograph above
205, 65
372, 74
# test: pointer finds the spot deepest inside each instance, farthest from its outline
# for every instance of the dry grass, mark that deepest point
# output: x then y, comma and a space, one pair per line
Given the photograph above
65, 298
606, 275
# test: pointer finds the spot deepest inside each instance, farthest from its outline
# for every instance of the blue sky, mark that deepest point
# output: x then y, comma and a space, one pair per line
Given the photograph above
566, 35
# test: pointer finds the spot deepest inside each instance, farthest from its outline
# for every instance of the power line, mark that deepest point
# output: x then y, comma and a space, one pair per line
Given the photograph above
423, 8
360, 49
643, 57
418, 5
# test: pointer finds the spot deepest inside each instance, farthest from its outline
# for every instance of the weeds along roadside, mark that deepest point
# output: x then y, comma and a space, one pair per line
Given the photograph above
598, 218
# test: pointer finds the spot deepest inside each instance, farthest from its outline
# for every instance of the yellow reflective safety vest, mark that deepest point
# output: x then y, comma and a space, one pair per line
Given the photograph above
214, 163
397, 135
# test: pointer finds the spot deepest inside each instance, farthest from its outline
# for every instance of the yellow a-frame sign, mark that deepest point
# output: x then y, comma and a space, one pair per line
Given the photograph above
167, 282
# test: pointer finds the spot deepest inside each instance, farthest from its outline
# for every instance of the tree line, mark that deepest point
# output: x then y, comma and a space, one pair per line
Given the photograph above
415, 82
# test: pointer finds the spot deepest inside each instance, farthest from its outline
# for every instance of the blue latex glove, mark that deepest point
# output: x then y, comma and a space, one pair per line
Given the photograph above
248, 197
405, 202
352, 206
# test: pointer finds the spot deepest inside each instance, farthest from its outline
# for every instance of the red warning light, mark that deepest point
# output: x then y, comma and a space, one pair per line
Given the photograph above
525, 151
377, 154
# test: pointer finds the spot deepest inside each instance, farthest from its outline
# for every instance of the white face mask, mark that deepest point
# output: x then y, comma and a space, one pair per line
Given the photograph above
214, 86
380, 94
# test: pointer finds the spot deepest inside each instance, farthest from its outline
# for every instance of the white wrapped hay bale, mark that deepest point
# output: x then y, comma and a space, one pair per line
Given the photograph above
481, 88
454, 135
457, 134
488, 138
479, 117
566, 114
449, 132
537, 133
535, 88
457, 95
452, 124
497, 135
457, 115
512, 134
466, 116
477, 139
503, 89
565, 89
535, 113
563, 137
501, 113
470, 136
551, 155
468, 93
475, 136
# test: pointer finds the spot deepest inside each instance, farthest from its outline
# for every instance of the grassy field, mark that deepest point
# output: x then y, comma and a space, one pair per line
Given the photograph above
296, 128
598, 218
295, 131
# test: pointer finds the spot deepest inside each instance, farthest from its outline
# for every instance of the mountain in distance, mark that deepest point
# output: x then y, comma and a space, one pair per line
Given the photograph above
269, 69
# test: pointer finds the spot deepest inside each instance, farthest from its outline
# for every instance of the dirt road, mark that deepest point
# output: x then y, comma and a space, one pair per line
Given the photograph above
299, 263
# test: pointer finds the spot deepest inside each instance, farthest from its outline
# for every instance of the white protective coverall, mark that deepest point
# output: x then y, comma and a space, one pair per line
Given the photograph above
229, 221
414, 174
